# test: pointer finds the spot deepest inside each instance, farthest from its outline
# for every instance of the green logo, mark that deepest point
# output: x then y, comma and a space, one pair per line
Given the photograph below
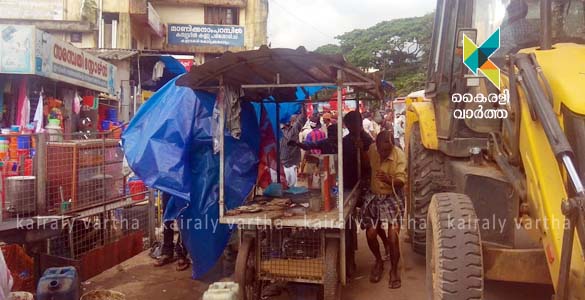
477, 59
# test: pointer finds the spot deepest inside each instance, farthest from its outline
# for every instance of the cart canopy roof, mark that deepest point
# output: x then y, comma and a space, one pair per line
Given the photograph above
267, 67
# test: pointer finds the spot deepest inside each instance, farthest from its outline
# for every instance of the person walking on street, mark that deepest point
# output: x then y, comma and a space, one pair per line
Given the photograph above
384, 204
168, 246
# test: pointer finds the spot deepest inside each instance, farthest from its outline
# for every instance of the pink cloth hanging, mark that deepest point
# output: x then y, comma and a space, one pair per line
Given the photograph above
23, 112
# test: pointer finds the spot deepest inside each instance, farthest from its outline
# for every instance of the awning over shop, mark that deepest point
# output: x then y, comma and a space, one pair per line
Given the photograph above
271, 66
27, 50
113, 54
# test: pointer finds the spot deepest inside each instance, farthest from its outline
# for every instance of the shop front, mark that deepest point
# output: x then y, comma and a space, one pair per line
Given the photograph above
42, 78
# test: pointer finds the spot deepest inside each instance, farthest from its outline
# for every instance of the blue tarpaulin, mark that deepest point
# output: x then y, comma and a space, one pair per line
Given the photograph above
168, 144
172, 65
287, 109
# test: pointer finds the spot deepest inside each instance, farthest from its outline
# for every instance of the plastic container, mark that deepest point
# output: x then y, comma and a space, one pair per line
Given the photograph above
106, 125
137, 189
5, 131
14, 129
55, 122
4, 147
54, 130
23, 142
112, 114
28, 167
59, 283
23, 152
222, 291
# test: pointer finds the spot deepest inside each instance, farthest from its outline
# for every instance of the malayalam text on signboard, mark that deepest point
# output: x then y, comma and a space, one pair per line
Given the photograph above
205, 35
62, 61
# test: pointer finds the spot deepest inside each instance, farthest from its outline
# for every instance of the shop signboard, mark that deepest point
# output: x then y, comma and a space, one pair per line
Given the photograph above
62, 61
16, 49
205, 35
27, 50
187, 63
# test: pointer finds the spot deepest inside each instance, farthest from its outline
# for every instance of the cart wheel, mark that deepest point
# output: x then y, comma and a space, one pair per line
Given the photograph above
331, 284
250, 286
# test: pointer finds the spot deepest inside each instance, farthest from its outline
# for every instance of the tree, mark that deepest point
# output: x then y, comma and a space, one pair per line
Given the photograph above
398, 48
329, 49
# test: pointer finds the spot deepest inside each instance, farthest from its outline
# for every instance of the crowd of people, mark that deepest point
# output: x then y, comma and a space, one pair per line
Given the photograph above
377, 140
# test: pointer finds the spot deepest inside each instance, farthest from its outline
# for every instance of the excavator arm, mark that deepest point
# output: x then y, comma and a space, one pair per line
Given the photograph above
555, 190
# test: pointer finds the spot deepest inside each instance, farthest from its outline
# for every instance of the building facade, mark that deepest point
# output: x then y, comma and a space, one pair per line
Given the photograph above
123, 31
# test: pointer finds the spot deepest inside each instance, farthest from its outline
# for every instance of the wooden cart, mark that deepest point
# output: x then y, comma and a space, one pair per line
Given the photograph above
308, 248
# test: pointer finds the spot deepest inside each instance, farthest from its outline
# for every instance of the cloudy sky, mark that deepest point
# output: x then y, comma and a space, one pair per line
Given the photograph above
313, 23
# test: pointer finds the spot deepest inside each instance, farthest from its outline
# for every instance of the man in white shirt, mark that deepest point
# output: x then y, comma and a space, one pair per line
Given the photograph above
399, 124
368, 125
5, 279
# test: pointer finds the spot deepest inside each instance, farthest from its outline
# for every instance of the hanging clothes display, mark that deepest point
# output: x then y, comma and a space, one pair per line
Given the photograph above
233, 123
77, 103
38, 119
23, 110
158, 70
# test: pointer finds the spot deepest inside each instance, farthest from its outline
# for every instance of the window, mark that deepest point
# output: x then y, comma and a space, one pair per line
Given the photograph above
76, 37
110, 34
222, 15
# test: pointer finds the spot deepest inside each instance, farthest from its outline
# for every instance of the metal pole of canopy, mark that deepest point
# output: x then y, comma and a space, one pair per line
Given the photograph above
278, 161
221, 154
340, 144
340, 189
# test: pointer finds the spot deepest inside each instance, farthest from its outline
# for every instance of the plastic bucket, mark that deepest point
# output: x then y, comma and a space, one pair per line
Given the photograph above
136, 188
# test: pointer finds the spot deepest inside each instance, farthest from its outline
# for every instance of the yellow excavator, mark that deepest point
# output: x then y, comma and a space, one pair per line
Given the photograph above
496, 148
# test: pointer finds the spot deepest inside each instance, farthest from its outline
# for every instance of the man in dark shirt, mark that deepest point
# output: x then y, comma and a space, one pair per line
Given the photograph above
357, 139
290, 156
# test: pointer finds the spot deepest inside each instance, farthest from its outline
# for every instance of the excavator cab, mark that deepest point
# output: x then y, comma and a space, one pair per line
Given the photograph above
497, 156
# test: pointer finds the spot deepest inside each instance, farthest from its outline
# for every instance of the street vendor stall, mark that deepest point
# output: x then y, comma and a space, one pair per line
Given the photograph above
278, 239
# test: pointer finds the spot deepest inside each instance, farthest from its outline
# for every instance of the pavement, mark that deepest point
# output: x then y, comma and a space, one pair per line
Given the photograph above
138, 279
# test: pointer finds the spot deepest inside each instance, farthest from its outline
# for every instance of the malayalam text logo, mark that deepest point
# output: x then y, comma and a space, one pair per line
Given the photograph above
478, 58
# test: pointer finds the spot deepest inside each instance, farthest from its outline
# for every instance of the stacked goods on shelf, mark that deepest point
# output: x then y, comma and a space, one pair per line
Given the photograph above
17, 150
